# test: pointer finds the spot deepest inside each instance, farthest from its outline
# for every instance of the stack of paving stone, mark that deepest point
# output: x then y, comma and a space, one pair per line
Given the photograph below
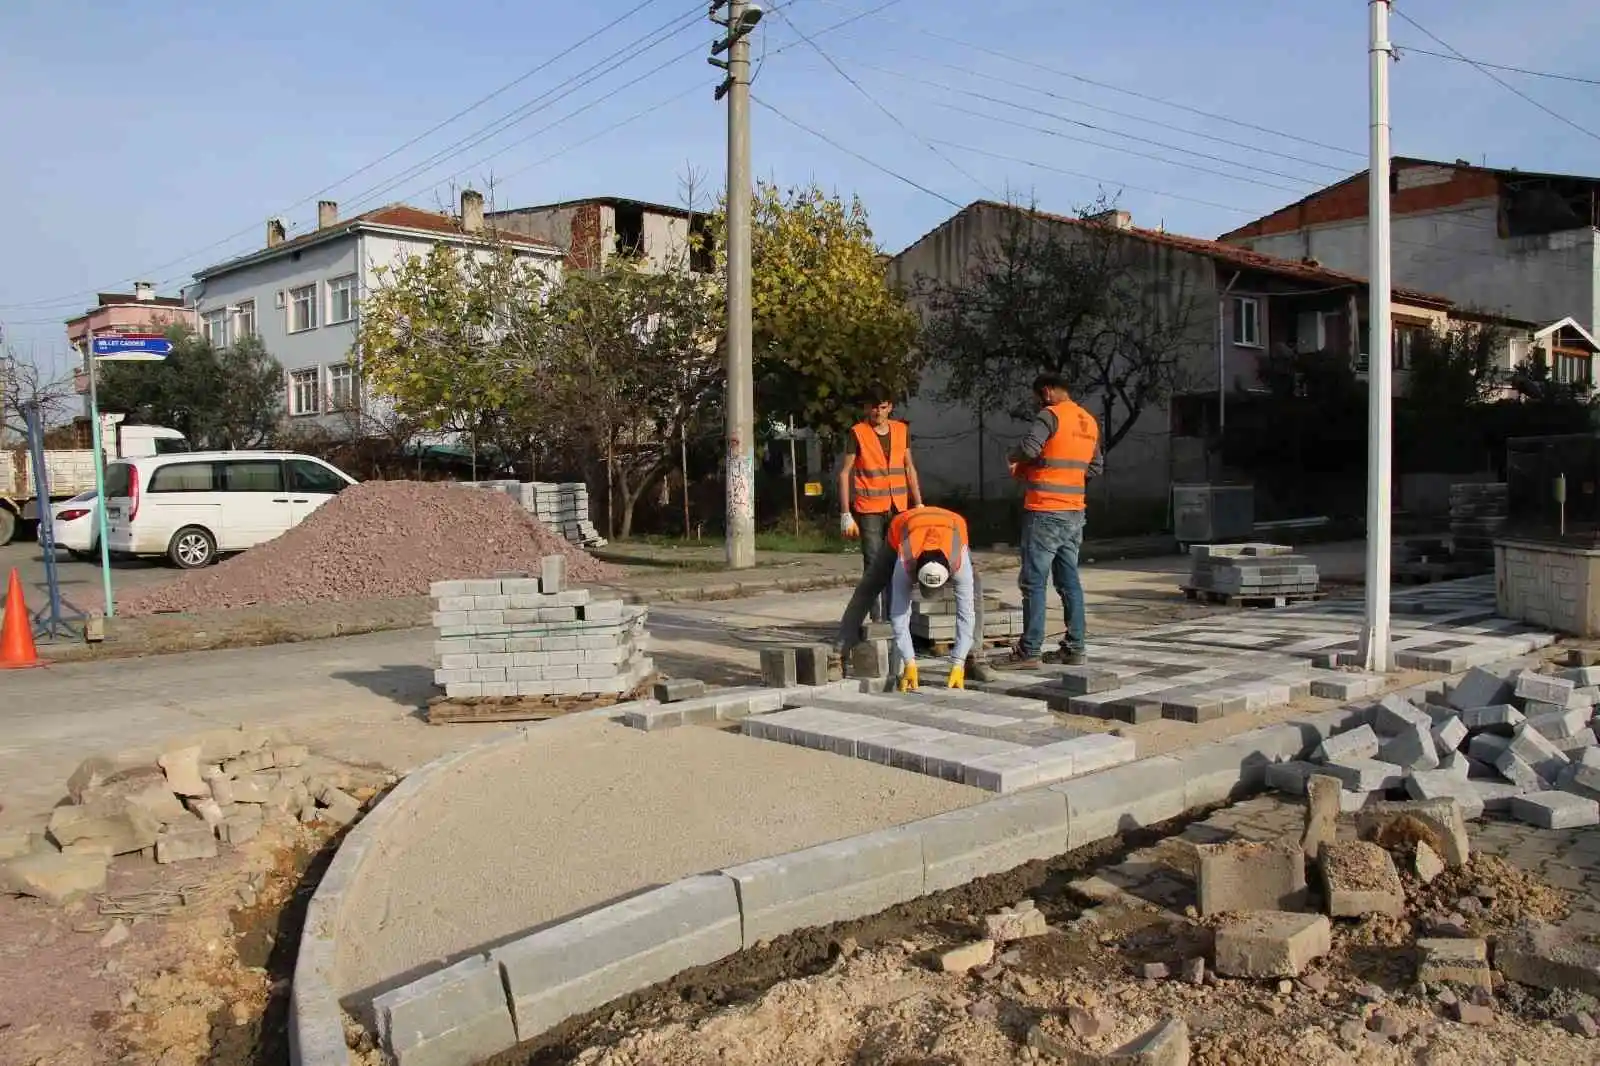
1250, 572
1523, 743
532, 636
563, 506
934, 621
1477, 515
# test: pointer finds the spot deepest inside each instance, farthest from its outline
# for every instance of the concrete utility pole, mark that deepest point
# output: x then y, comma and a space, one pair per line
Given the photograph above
1380, 427
741, 469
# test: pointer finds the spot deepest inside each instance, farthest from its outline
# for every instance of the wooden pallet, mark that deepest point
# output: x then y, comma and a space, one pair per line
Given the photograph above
1228, 599
446, 711
942, 647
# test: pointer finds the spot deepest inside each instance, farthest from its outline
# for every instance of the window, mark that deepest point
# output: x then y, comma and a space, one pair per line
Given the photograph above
1401, 344
1247, 321
169, 446
251, 475
341, 387
119, 480
1571, 369
307, 476
244, 323
302, 308
183, 477
214, 324
342, 299
305, 391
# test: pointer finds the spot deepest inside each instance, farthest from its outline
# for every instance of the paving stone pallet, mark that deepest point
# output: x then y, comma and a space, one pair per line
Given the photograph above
445, 711
562, 506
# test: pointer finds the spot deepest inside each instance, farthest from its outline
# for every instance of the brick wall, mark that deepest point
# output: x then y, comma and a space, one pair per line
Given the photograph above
1348, 200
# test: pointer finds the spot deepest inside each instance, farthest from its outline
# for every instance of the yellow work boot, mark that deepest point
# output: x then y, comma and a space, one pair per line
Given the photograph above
958, 677
908, 678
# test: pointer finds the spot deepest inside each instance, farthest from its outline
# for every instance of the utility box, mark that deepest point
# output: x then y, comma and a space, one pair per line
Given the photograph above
1212, 514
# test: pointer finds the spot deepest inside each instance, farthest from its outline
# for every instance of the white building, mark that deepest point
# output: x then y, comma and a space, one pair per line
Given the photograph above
302, 297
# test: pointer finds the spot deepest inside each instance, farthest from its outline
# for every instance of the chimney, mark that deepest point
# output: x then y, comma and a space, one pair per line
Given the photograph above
275, 232
327, 213
471, 211
144, 291
1116, 219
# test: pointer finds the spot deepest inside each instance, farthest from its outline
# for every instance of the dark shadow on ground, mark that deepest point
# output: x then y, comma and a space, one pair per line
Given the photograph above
410, 686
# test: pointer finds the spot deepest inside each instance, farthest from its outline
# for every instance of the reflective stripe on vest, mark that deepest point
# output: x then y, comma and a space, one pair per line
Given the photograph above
1057, 478
928, 529
879, 488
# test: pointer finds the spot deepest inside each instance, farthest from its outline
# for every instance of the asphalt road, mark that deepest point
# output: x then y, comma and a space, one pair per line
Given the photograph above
80, 582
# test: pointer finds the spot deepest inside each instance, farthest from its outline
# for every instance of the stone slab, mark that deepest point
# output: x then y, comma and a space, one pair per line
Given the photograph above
1366, 775
452, 1016
1555, 810
1250, 876
1271, 943
1127, 797
993, 837
1549, 957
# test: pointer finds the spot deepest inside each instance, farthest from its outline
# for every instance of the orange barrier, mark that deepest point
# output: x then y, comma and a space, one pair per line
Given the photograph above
16, 636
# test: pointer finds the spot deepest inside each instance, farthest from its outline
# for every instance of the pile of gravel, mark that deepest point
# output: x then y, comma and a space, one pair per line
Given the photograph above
377, 540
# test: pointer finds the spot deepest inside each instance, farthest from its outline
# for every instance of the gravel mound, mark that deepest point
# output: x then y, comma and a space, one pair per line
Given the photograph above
376, 540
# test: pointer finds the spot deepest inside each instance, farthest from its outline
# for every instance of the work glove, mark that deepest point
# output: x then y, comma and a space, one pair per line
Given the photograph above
848, 527
958, 677
908, 677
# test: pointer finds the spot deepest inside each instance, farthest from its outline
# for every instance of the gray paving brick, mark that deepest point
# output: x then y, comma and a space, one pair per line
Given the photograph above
1394, 714
1546, 689
452, 1016
1290, 777
1555, 810
1365, 775
1361, 742
586, 962
1479, 688
1235, 765
1532, 748
828, 883
1443, 784
1561, 724
1122, 798
1412, 747
989, 838
1448, 735
1497, 718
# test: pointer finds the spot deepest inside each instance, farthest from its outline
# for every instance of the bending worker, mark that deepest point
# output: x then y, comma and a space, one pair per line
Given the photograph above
926, 556
877, 481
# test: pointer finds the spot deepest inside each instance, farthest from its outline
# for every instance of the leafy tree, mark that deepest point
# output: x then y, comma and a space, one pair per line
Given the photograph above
225, 398
1455, 368
1076, 298
829, 330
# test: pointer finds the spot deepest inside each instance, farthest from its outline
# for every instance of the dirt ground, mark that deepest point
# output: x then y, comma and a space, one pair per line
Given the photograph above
872, 991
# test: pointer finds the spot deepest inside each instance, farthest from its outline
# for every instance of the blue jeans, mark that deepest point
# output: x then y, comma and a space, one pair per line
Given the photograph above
1050, 544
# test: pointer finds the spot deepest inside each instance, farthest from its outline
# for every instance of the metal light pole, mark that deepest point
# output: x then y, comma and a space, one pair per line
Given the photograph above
1380, 428
741, 473
101, 520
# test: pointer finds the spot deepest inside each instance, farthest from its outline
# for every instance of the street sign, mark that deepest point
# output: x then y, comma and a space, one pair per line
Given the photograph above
813, 488
131, 347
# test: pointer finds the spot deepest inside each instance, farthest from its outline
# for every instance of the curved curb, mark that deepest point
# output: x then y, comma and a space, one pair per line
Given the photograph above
489, 1002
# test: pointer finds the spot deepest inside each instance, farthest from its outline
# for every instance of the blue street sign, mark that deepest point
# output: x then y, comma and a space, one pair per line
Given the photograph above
133, 346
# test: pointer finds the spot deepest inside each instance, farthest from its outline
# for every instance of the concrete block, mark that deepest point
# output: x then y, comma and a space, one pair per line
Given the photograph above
1290, 777
1250, 876
811, 665
1563, 725
1445, 784
832, 882
1487, 747
1366, 775
1359, 743
1360, 878
1457, 764
778, 667
1413, 748
1519, 773
1496, 795
1271, 943
186, 843
593, 611
1460, 961
1001, 834
56, 878
1235, 765
1131, 796
870, 658
1440, 822
1544, 688
1497, 718
1325, 798
124, 831
1555, 810
1448, 735
182, 769
1097, 751
1394, 714
553, 574
1548, 957
456, 1015
588, 961
1529, 745
1479, 688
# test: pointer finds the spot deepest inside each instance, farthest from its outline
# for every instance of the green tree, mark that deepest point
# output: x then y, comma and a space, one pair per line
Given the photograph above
829, 330
225, 398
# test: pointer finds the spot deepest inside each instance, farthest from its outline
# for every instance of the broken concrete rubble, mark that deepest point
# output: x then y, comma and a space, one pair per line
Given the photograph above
1322, 814
1245, 876
55, 878
1457, 961
1360, 878
1439, 822
1545, 956
1271, 943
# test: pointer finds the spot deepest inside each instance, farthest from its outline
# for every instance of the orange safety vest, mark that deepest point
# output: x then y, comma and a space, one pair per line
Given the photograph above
928, 529
1058, 477
878, 481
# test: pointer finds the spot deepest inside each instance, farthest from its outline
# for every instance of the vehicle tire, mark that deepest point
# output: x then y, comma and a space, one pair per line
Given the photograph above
8, 525
192, 548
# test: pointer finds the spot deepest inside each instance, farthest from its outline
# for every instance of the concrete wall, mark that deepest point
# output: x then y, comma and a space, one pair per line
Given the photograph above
1458, 253
946, 435
589, 232
1548, 585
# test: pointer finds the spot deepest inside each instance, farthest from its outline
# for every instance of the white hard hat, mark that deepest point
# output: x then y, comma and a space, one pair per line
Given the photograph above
932, 575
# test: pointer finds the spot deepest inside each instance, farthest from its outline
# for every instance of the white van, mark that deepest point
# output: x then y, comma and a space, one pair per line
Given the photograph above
195, 506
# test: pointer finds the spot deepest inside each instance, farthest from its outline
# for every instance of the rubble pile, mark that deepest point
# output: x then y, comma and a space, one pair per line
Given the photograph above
376, 540
213, 790
1523, 744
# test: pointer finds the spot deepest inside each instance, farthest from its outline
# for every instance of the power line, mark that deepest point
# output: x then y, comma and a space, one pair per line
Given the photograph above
636, 116
532, 71
1497, 79
1411, 49
877, 103
823, 137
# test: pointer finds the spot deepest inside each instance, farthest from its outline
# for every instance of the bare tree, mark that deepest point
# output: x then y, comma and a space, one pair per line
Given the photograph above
22, 381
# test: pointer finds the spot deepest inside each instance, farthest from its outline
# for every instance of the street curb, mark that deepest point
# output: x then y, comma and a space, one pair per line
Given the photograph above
644, 939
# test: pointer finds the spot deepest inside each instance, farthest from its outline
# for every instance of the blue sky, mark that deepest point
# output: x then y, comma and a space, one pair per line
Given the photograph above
146, 141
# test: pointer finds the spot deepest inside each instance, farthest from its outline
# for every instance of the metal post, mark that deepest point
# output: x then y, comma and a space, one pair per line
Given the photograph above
1375, 631
101, 520
794, 478
741, 523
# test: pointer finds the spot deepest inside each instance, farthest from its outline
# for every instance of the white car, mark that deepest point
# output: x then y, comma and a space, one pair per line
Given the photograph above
76, 524
196, 506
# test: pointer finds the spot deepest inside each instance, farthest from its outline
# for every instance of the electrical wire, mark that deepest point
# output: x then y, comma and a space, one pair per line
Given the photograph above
1497, 79
1411, 49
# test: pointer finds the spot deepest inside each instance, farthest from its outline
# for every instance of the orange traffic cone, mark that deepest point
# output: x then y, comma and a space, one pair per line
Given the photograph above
16, 635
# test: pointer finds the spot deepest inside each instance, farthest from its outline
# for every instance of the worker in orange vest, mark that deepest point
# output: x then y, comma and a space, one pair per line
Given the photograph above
877, 481
926, 556
1054, 463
